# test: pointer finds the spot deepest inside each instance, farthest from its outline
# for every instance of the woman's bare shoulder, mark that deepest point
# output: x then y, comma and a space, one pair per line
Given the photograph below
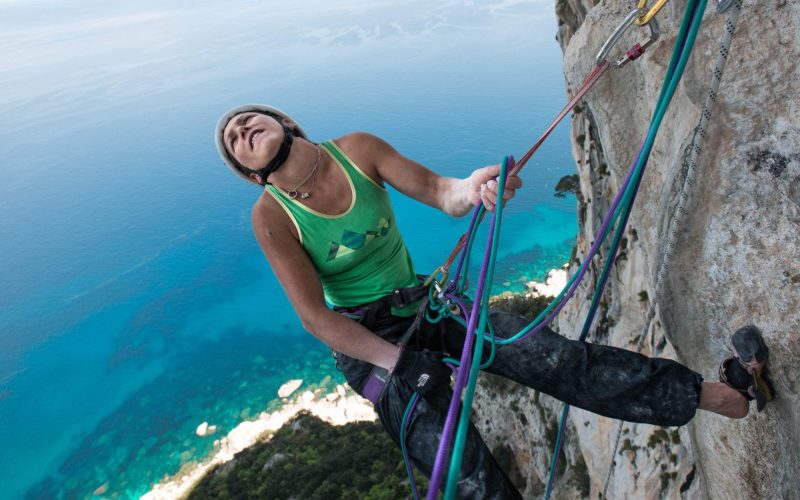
268, 215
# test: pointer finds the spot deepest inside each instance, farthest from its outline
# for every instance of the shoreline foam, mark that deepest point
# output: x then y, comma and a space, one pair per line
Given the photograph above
340, 407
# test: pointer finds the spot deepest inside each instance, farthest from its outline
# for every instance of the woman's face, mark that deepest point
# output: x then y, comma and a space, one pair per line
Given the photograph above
253, 139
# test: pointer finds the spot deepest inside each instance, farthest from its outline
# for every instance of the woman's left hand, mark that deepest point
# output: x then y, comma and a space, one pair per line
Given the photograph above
482, 185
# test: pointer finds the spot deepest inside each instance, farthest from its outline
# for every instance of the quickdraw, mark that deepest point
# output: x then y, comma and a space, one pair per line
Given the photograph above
637, 49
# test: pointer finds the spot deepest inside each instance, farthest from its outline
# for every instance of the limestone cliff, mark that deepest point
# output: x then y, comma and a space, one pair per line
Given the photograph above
737, 259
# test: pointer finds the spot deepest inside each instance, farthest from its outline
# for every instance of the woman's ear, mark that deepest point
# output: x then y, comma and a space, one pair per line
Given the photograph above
256, 178
291, 124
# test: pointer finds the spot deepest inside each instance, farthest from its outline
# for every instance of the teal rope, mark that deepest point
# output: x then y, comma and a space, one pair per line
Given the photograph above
676, 65
457, 453
411, 404
683, 47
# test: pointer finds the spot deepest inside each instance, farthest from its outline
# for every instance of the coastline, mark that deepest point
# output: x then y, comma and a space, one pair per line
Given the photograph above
339, 407
555, 282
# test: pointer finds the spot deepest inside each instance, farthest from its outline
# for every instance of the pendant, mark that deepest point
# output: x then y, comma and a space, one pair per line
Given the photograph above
305, 195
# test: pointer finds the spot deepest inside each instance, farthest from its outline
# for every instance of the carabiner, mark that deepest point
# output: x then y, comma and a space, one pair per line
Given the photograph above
644, 19
436, 273
639, 48
612, 40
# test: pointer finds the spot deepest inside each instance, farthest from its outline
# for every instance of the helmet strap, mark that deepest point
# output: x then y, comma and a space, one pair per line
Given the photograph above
280, 158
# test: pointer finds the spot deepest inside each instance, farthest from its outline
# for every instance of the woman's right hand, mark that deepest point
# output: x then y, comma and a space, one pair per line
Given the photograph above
423, 370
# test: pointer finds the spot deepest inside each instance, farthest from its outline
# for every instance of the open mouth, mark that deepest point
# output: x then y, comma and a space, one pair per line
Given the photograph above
253, 138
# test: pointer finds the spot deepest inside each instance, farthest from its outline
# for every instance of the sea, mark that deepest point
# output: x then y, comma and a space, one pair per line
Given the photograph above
135, 303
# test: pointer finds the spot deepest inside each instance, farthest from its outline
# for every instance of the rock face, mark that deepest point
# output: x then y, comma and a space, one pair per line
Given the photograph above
737, 258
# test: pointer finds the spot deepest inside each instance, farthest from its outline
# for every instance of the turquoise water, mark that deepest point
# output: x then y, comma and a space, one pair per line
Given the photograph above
135, 301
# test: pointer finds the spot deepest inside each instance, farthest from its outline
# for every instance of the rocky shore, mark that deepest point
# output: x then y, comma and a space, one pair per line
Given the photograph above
339, 407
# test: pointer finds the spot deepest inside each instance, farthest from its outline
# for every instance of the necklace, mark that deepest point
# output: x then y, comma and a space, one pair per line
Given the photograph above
292, 193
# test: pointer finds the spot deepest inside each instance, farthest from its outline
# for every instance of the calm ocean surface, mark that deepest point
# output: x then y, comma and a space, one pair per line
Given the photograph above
135, 301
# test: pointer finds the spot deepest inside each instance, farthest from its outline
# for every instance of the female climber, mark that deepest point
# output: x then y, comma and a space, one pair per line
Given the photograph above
325, 224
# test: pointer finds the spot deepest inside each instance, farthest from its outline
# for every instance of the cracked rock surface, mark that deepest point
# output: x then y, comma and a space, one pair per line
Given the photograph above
736, 261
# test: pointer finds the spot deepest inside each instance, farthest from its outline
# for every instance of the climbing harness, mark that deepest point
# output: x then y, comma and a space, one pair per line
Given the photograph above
698, 142
367, 315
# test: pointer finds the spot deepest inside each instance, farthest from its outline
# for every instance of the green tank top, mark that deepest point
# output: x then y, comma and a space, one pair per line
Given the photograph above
359, 254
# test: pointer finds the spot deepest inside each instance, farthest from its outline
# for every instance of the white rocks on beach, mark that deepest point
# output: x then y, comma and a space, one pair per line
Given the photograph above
339, 411
555, 282
289, 387
204, 429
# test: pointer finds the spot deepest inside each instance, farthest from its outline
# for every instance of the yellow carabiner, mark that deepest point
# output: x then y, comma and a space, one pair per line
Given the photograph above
439, 271
641, 21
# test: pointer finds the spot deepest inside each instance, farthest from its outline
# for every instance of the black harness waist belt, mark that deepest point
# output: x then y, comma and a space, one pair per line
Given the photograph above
368, 313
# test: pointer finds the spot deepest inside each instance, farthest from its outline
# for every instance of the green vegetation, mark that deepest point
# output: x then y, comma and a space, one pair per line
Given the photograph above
526, 306
310, 459
580, 479
569, 184
658, 437
627, 445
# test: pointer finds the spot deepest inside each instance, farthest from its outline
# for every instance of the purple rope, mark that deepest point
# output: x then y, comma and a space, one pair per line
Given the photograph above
472, 223
443, 451
463, 372
592, 251
586, 326
460, 303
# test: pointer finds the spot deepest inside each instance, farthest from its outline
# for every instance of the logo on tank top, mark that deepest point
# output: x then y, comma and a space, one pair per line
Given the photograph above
352, 241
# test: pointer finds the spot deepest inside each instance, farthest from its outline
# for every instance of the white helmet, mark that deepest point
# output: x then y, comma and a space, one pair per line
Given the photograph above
257, 108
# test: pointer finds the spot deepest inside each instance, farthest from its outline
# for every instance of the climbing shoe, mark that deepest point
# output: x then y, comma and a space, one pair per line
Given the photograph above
746, 370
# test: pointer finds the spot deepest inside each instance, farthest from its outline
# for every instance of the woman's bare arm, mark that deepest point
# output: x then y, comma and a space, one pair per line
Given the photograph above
299, 279
453, 196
